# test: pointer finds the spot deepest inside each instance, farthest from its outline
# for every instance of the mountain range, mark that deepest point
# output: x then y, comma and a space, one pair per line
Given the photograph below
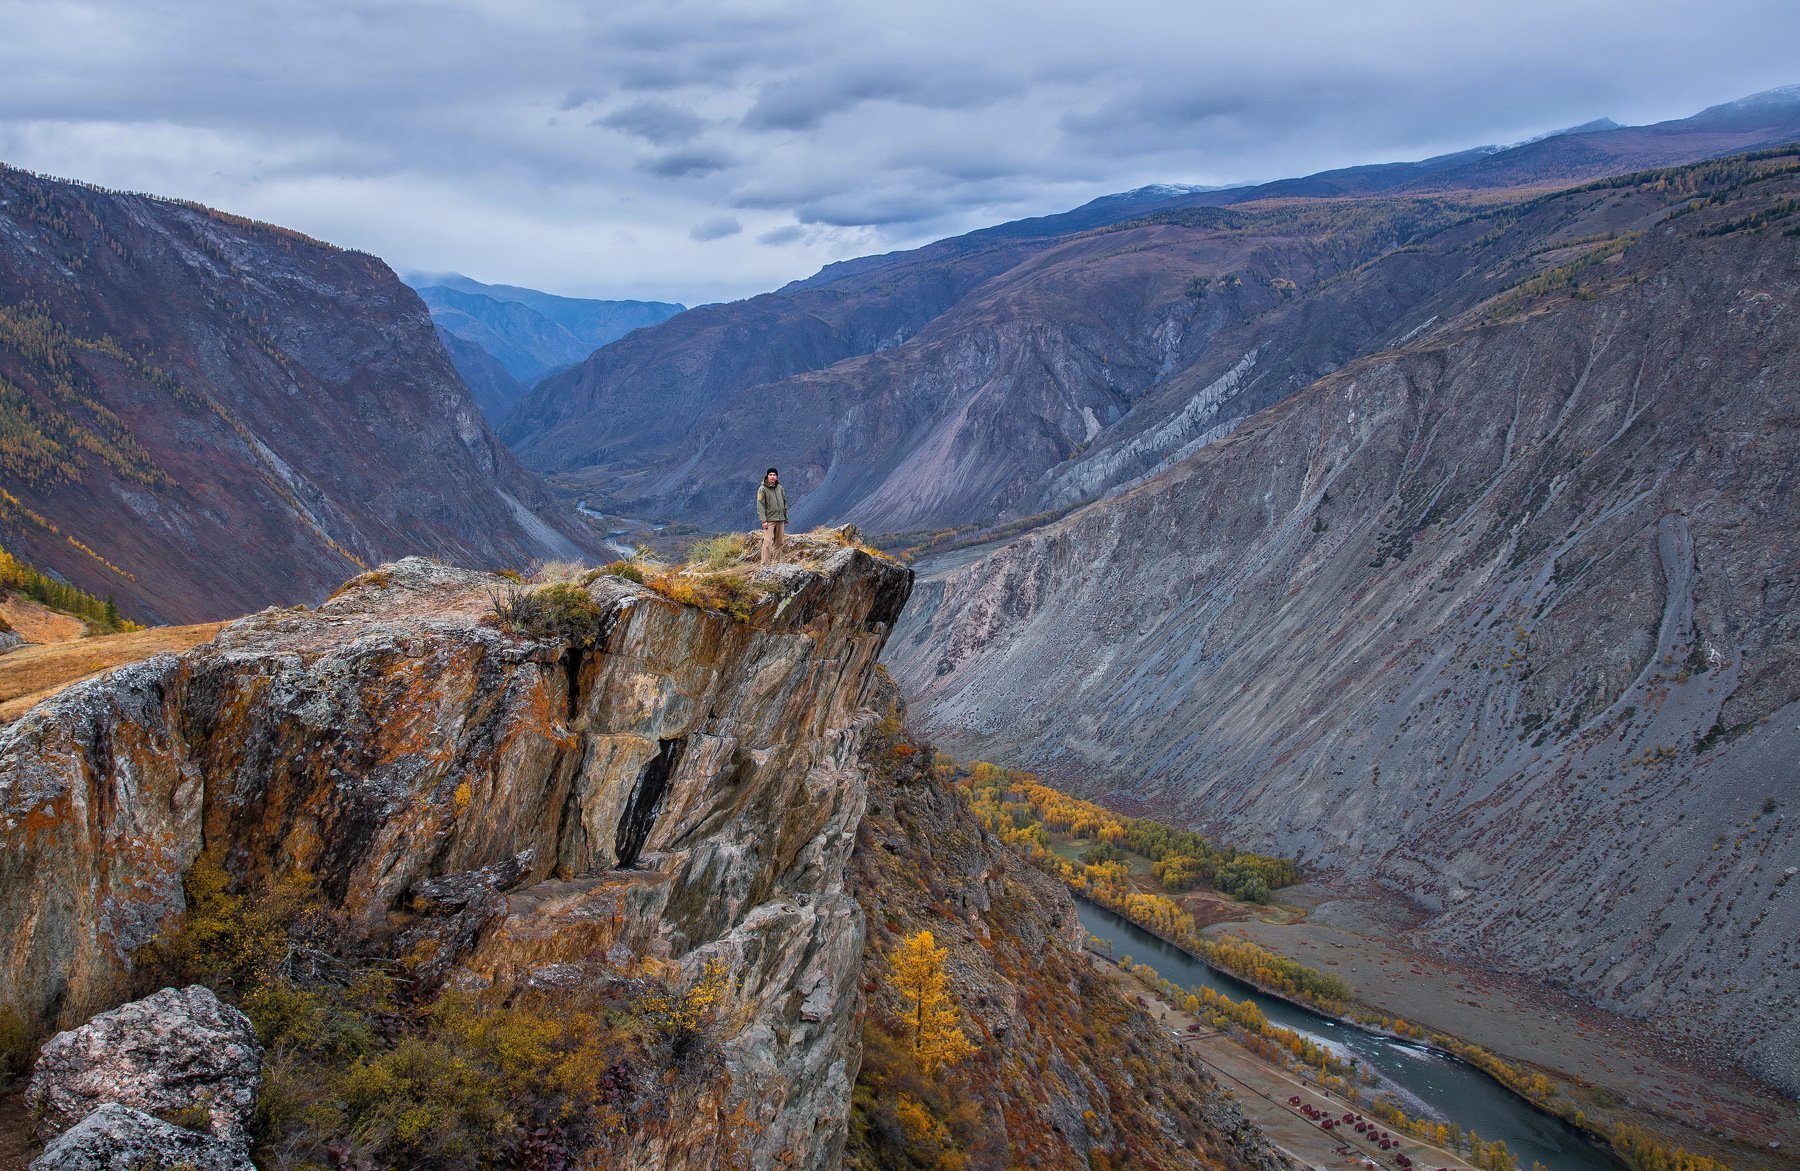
503, 338
1034, 364
1430, 522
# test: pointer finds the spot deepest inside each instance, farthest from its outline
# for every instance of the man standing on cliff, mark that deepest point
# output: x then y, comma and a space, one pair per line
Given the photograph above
771, 509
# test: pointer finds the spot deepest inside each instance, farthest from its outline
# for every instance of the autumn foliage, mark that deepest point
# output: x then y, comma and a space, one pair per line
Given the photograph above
367, 1066
932, 1021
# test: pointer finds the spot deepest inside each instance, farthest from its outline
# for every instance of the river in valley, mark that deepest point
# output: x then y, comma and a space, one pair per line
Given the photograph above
1428, 1081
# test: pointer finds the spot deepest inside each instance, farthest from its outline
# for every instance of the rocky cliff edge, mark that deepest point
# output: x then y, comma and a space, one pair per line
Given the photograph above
687, 786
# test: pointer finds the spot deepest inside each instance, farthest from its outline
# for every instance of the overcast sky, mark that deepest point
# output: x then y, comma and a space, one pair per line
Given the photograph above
705, 150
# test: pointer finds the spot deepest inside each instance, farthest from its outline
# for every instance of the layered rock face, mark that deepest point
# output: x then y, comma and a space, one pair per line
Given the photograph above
1502, 619
206, 415
687, 787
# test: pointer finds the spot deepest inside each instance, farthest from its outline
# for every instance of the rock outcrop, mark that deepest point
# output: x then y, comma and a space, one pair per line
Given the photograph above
676, 783
116, 1136
177, 1050
1501, 618
212, 415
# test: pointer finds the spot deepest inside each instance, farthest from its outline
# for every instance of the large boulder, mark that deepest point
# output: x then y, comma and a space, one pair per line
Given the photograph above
116, 1136
179, 1050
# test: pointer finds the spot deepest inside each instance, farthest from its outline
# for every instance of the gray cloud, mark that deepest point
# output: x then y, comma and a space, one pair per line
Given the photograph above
931, 83
680, 164
655, 121
541, 143
581, 96
716, 228
881, 209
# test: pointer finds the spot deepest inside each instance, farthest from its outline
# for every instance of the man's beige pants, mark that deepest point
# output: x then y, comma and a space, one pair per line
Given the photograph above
772, 541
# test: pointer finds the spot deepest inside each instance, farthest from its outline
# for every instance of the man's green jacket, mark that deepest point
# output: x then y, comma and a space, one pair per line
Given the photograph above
771, 504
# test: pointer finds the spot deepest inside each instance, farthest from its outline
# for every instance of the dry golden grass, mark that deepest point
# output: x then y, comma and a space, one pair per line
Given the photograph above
32, 674
38, 623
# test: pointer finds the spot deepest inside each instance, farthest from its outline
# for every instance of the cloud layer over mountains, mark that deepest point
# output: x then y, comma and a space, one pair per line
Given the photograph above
701, 150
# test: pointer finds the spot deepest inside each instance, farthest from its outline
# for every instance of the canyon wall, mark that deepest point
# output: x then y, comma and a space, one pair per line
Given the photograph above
201, 415
1501, 618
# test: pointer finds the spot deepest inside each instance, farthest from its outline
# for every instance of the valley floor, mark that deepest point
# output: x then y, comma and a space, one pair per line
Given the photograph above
1262, 1090
1361, 936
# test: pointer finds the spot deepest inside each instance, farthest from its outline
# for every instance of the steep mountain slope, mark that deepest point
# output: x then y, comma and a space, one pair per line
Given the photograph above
1076, 369
496, 391
648, 391
528, 332
976, 396
661, 795
1501, 618
1066, 1073
200, 415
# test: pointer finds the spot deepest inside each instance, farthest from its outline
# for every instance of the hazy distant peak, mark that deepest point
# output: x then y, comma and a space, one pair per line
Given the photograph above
515, 294
527, 332
1594, 127
1160, 190
1597, 126
1781, 95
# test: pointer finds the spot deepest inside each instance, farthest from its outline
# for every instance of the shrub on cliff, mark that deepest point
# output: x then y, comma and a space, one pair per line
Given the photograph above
561, 612
626, 569
720, 552
901, 1118
724, 592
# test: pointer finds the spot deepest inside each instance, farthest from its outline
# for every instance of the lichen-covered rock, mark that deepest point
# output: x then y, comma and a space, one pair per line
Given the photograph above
684, 787
115, 1137
180, 1049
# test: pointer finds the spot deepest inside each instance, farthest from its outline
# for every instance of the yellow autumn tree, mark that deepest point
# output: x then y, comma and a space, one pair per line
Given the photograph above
933, 1021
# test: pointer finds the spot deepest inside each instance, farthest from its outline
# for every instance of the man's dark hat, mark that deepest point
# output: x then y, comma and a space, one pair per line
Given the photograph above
776, 471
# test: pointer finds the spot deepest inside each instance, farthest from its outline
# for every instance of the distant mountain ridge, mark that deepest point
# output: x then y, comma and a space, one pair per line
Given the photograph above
201, 415
528, 333
964, 381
